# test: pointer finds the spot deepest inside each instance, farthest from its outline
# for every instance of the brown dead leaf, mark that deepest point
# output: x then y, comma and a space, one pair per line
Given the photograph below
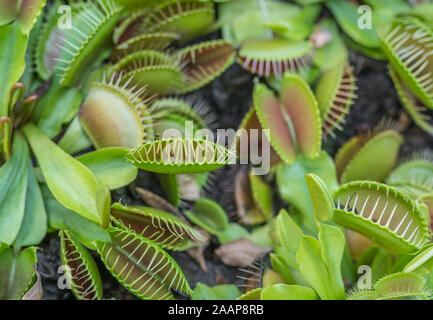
36, 292
241, 252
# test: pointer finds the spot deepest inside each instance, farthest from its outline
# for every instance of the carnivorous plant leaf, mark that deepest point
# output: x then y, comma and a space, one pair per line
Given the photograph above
81, 270
282, 291
354, 160
141, 266
176, 155
407, 46
110, 167
383, 214
13, 181
71, 183
16, 271
165, 229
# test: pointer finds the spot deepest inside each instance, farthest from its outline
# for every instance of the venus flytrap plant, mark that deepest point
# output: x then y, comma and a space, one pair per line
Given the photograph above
161, 227
295, 115
354, 159
126, 111
209, 216
335, 95
383, 214
408, 48
317, 261
81, 270
17, 271
161, 72
93, 24
141, 266
178, 155
396, 286
188, 18
205, 61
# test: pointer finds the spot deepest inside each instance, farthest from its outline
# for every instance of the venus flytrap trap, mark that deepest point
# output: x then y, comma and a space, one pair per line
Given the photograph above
354, 159
382, 213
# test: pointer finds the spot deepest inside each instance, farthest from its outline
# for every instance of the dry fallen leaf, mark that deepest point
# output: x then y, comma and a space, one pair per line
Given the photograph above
36, 292
241, 252
197, 254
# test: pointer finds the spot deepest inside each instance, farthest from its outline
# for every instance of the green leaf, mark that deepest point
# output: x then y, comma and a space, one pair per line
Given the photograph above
34, 224
12, 60
16, 272
13, 186
110, 167
282, 291
312, 267
346, 14
57, 107
332, 242
71, 183
232, 232
209, 215
61, 218
219, 292
74, 139
288, 232
322, 201
294, 175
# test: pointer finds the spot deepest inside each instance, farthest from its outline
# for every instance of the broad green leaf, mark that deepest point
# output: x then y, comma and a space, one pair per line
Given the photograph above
332, 249
110, 167
61, 218
282, 291
312, 267
13, 186
34, 225
294, 175
218, 292
288, 232
71, 182
347, 16
16, 271
12, 60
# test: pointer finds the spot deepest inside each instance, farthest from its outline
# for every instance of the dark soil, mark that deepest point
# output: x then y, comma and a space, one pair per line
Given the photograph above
229, 97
